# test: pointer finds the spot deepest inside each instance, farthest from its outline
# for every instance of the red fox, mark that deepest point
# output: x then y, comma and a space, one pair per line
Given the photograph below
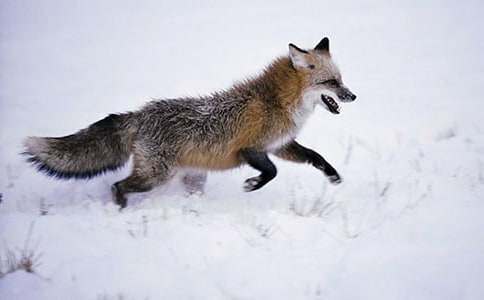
224, 130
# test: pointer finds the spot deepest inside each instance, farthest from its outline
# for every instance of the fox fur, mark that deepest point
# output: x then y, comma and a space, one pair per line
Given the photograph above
221, 131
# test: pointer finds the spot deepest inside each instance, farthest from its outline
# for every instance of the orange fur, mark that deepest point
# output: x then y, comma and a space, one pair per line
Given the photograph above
276, 94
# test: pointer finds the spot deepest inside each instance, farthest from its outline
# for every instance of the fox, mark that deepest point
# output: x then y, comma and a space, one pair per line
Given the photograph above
242, 125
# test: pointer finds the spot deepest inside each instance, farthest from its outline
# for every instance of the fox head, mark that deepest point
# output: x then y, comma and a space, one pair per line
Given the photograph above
323, 83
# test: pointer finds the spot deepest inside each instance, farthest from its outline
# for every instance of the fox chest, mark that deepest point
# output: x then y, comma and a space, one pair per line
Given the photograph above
295, 120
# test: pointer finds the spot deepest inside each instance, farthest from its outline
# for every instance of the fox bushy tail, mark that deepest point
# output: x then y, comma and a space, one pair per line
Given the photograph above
103, 146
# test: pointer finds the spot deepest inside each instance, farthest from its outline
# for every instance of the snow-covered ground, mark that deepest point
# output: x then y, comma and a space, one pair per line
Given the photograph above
405, 224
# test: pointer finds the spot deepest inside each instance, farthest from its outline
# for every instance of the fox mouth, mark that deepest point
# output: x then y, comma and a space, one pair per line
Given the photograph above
333, 107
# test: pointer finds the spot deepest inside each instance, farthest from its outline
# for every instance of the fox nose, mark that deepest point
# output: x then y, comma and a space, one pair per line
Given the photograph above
353, 97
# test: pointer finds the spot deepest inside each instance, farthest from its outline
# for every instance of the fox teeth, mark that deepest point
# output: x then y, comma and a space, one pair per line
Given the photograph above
333, 103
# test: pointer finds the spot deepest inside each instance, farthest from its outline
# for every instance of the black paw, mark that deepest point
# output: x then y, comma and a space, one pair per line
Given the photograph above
119, 198
253, 183
335, 179
330, 172
332, 175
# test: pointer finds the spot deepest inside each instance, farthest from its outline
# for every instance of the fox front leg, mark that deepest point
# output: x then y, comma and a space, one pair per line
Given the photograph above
259, 161
298, 153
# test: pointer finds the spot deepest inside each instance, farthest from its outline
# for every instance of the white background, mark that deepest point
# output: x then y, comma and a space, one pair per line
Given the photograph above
405, 224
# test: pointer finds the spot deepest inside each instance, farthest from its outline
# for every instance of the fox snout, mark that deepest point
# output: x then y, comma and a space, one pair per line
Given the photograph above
345, 95
341, 93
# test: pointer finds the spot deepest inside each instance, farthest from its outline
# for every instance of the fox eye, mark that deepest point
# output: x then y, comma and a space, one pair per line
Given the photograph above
330, 82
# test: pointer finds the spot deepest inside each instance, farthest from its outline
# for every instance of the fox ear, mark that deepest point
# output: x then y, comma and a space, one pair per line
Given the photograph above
298, 56
323, 45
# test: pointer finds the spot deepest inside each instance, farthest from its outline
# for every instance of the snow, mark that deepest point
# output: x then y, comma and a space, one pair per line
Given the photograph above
406, 223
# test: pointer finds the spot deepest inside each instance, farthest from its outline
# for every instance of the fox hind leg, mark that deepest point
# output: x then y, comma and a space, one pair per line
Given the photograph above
132, 184
148, 172
194, 182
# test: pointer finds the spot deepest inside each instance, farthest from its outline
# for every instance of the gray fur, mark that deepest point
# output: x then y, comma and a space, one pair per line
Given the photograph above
173, 123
